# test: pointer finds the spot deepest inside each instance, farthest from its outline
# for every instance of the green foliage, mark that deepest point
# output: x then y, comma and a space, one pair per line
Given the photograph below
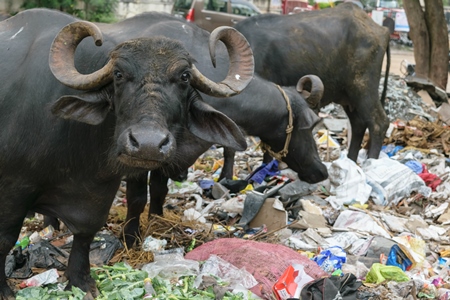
93, 10
99, 10
49, 292
122, 282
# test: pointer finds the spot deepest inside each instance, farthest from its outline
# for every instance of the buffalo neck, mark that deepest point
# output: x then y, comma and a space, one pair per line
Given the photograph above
259, 110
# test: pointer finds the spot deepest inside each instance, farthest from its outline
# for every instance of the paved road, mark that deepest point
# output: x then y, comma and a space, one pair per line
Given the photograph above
397, 56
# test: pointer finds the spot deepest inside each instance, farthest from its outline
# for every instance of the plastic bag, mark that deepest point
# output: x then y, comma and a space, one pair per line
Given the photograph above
399, 259
348, 183
47, 277
379, 273
169, 264
391, 181
216, 266
331, 259
413, 247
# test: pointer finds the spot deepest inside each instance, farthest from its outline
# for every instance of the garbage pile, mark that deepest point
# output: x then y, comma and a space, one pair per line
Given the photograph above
375, 229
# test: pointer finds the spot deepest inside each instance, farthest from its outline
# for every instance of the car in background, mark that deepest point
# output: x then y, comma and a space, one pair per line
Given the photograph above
210, 14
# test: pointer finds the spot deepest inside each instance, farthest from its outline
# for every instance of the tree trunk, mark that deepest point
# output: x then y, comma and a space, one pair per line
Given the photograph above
437, 29
428, 31
418, 33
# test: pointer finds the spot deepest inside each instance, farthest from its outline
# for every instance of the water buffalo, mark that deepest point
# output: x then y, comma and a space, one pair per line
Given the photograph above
75, 118
260, 110
264, 115
341, 45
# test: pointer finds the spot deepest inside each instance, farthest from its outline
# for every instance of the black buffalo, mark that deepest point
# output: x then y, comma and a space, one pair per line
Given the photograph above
260, 110
262, 114
75, 118
341, 45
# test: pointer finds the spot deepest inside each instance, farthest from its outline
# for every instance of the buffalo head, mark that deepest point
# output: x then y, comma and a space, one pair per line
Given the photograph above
149, 87
298, 126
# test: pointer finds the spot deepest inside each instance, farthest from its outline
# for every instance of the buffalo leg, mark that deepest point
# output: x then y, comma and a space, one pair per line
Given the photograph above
228, 163
158, 192
12, 215
358, 129
54, 222
136, 201
78, 268
377, 130
84, 211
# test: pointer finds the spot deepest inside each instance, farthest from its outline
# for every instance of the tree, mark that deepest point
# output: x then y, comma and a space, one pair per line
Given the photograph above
94, 10
428, 31
100, 10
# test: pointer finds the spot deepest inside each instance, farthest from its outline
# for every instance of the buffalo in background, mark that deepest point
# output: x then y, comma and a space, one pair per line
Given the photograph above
341, 45
4, 16
70, 133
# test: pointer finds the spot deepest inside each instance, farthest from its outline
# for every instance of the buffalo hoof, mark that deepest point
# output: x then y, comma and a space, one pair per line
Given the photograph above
88, 296
87, 286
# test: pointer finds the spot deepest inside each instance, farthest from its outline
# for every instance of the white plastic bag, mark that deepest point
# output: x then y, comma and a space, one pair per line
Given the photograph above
348, 183
171, 265
227, 272
391, 181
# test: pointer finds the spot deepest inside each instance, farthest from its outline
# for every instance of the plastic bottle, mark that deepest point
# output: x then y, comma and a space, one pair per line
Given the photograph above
23, 243
149, 290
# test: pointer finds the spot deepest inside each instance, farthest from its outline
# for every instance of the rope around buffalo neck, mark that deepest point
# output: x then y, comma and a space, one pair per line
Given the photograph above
266, 148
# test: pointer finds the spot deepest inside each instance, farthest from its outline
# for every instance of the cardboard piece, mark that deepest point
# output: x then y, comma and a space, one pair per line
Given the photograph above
444, 112
290, 284
426, 98
272, 214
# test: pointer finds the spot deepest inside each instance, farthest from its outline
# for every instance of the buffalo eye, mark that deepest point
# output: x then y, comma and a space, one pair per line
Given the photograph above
185, 76
118, 75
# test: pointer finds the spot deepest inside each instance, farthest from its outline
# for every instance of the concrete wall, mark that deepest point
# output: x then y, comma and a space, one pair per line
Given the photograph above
129, 9
10, 5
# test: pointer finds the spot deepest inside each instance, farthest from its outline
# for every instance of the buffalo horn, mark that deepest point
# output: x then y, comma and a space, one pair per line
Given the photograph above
311, 88
241, 68
62, 57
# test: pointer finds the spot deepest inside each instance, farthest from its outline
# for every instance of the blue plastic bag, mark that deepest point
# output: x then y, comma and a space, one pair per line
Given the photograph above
264, 170
331, 259
398, 258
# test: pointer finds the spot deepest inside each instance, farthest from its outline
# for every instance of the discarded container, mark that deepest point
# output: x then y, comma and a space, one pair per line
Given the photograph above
291, 282
149, 290
23, 243
47, 232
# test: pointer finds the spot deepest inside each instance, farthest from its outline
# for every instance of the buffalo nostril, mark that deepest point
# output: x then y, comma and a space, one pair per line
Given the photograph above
133, 140
165, 144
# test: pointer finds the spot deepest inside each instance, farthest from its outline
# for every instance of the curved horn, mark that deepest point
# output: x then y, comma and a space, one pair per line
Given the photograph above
62, 57
311, 88
241, 68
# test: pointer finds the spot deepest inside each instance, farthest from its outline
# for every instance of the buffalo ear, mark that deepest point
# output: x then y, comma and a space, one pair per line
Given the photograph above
213, 126
89, 108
